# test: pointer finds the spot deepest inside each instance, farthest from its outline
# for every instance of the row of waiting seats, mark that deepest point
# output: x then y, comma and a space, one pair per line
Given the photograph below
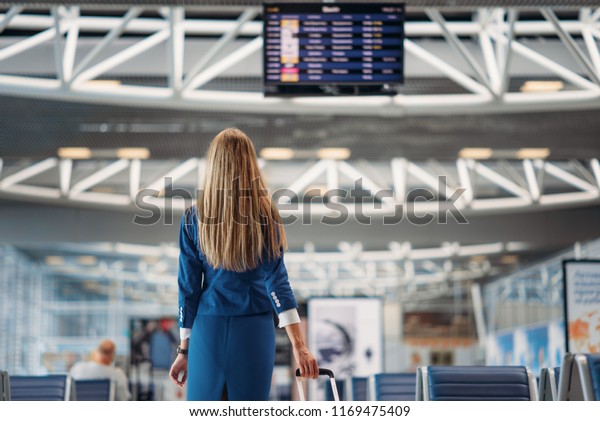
57, 387
577, 379
380, 387
581, 381
442, 383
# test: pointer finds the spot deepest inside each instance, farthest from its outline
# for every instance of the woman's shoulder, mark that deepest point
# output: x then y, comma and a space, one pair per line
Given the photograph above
191, 211
190, 218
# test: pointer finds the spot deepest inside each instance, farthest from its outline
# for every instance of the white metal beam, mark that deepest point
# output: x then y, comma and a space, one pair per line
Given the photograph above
135, 173
32, 191
174, 174
66, 169
573, 48
464, 178
12, 12
354, 174
219, 67
567, 177
550, 65
452, 73
58, 41
70, 49
122, 57
481, 101
431, 181
99, 176
176, 48
225, 39
507, 56
27, 43
28, 172
333, 181
220, 26
114, 33
526, 198
308, 177
592, 48
596, 170
534, 188
459, 47
400, 179
491, 62
498, 179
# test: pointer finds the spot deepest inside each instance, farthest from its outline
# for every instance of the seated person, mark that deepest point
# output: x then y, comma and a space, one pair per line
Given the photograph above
101, 367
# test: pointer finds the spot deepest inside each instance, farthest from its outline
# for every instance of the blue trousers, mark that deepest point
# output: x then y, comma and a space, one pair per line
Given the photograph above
235, 354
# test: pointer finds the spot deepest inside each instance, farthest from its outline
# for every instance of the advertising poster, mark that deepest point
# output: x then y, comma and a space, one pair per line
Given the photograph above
345, 335
582, 305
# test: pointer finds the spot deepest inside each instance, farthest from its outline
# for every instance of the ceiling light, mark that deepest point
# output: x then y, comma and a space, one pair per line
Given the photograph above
533, 153
75, 153
87, 260
475, 153
542, 86
133, 153
277, 153
333, 153
104, 83
55, 260
509, 259
103, 189
317, 190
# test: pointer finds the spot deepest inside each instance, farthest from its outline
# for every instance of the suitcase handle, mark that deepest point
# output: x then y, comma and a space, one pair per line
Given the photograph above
322, 372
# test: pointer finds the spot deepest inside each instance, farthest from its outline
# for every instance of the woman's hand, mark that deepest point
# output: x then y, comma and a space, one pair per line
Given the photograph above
306, 362
179, 366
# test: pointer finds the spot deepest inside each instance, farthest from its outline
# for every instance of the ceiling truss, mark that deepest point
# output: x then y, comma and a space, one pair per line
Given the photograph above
348, 271
497, 30
405, 188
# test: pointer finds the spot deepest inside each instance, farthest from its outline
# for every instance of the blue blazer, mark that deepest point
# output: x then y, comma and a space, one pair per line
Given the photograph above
208, 291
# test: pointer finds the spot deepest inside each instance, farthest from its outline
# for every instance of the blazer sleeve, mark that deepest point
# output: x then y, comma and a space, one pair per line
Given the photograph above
279, 289
190, 274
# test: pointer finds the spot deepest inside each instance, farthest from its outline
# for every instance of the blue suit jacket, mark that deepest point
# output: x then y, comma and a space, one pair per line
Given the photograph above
219, 292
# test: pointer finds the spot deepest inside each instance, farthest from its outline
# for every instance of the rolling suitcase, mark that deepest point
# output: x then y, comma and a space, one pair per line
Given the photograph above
322, 372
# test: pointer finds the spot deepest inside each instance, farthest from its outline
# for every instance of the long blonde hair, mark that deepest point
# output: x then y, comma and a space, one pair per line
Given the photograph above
239, 225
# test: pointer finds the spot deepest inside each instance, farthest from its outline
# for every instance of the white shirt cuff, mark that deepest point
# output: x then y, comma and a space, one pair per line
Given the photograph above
289, 317
185, 333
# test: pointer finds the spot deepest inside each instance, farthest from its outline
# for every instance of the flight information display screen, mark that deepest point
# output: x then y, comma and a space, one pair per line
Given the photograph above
333, 48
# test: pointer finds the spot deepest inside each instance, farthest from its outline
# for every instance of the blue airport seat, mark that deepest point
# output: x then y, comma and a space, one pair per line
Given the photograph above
594, 364
329, 392
55, 387
394, 386
589, 373
4, 386
549, 384
95, 390
478, 383
570, 381
358, 388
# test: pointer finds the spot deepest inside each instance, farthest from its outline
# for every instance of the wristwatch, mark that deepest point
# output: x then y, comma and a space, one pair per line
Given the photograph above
182, 351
